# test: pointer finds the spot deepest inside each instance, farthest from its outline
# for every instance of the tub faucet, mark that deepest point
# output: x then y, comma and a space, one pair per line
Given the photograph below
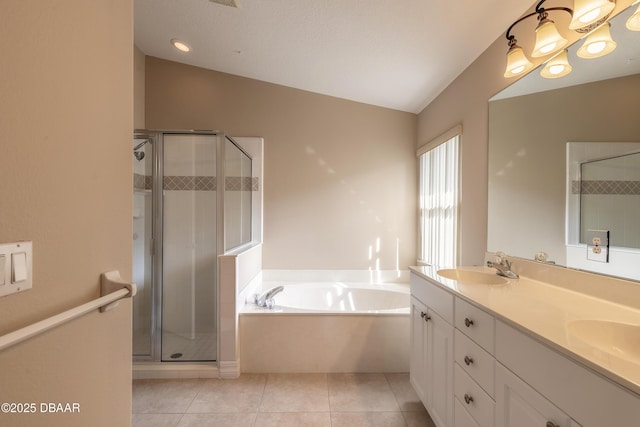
266, 299
502, 266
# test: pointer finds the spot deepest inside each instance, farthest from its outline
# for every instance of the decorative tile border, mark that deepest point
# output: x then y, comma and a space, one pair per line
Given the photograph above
241, 183
190, 183
606, 187
142, 182
197, 183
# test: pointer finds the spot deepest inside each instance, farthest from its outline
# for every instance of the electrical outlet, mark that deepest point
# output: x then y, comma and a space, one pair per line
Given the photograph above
598, 245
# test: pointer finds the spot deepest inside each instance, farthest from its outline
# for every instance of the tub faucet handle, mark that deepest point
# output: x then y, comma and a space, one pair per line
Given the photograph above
266, 299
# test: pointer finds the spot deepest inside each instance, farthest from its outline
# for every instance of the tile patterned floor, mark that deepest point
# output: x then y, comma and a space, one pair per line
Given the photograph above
322, 400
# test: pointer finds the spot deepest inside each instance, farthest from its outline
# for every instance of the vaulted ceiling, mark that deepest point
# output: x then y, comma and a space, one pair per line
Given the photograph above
398, 54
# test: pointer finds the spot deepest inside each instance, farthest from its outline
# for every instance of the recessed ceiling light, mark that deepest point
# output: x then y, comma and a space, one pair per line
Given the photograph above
180, 45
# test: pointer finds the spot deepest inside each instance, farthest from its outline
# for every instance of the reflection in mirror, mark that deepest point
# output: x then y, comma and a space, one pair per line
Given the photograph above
530, 124
603, 189
608, 191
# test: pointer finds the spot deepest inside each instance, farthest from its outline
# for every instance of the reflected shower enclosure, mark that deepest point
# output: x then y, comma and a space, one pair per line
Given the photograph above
192, 202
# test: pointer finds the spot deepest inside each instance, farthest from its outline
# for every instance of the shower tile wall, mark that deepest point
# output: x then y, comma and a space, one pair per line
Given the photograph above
190, 258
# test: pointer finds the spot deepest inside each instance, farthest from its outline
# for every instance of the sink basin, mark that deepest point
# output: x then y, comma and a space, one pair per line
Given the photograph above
621, 340
472, 276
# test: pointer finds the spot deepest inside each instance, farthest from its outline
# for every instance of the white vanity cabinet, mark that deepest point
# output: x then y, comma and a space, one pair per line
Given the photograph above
533, 377
519, 405
475, 368
431, 358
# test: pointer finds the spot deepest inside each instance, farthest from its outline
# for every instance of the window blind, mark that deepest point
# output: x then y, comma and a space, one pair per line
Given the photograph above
439, 200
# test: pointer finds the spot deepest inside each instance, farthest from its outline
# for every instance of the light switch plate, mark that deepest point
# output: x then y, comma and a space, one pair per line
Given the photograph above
17, 263
598, 245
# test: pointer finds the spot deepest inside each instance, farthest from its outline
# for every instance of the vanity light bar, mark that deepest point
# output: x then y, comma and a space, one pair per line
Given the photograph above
588, 16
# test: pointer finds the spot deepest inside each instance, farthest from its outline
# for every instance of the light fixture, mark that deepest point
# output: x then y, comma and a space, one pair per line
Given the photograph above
598, 43
587, 14
633, 23
558, 66
180, 45
548, 41
517, 62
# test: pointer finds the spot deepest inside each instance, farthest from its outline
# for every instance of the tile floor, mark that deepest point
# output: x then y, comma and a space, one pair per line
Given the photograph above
256, 400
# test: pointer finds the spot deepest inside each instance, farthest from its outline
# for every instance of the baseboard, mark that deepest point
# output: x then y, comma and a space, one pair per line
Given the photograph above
172, 370
229, 370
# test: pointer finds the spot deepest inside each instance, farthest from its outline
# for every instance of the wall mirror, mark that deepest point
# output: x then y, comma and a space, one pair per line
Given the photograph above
532, 125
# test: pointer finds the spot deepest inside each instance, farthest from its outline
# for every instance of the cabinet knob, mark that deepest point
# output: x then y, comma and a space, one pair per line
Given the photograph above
551, 424
467, 360
468, 399
422, 314
427, 317
468, 322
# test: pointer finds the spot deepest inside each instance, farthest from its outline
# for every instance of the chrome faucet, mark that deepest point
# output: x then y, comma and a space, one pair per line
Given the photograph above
502, 266
266, 299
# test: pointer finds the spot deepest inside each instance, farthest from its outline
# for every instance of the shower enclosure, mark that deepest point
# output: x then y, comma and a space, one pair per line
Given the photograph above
191, 202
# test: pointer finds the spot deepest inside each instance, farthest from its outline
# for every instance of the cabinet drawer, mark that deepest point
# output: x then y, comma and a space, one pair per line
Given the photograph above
461, 418
475, 361
478, 403
433, 297
475, 323
518, 405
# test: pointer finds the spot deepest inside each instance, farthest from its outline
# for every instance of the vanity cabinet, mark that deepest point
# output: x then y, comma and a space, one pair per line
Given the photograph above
431, 358
519, 405
473, 369
587, 398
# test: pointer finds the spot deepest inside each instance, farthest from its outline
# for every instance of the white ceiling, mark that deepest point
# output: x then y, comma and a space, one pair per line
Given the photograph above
398, 54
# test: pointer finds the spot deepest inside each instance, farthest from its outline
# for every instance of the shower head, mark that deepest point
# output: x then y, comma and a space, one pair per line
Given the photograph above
137, 147
139, 155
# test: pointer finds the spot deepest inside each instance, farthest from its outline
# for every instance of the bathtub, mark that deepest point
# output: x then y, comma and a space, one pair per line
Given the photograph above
327, 327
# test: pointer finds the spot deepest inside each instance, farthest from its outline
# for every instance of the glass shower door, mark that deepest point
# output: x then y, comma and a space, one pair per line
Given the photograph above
142, 241
189, 254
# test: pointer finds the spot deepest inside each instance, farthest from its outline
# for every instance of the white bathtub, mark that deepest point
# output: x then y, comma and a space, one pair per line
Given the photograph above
338, 298
328, 327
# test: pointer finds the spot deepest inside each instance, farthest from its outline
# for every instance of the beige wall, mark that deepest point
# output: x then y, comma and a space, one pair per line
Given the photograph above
466, 101
338, 175
65, 177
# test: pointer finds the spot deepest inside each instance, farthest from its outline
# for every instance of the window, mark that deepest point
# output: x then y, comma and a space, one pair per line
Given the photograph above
439, 200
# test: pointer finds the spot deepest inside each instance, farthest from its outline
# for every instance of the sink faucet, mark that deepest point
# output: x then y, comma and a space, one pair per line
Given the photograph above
266, 299
502, 266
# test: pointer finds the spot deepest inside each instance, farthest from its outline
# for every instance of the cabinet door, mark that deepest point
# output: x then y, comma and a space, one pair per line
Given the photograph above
519, 405
440, 370
417, 356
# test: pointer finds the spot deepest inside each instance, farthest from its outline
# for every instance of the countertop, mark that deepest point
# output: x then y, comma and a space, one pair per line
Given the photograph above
544, 311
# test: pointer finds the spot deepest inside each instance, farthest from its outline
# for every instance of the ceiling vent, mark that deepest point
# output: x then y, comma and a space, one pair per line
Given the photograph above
232, 3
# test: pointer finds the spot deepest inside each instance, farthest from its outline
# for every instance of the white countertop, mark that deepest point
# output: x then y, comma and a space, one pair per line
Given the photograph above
543, 311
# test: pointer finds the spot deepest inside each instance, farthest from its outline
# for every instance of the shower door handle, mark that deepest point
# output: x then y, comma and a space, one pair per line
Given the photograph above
152, 247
